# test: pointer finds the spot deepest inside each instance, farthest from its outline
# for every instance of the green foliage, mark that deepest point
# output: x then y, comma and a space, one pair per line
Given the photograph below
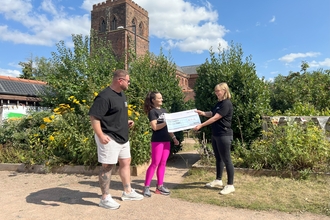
63, 136
74, 78
156, 73
27, 70
309, 88
293, 147
140, 136
77, 72
306, 109
250, 95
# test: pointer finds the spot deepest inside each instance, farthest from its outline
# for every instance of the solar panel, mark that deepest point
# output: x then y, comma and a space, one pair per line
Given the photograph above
20, 88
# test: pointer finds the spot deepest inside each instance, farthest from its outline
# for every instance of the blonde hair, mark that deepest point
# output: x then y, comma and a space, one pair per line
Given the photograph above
224, 87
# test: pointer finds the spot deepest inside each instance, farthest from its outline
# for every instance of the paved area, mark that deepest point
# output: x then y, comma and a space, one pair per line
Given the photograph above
62, 196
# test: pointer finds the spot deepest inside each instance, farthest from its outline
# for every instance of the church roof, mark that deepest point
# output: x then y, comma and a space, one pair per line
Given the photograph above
188, 69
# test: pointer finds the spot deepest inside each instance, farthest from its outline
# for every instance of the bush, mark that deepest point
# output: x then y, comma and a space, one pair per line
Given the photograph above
290, 148
250, 95
62, 136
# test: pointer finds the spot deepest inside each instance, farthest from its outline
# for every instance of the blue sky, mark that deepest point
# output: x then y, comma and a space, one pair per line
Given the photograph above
279, 34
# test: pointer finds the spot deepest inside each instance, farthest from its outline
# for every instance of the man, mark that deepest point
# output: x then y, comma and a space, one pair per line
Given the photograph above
109, 119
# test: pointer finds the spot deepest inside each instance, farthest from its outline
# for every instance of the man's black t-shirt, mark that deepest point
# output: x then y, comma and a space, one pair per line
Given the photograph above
222, 127
162, 134
110, 108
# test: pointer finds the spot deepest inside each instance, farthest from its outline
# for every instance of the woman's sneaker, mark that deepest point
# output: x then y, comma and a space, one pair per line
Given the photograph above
162, 190
131, 196
146, 191
228, 189
109, 203
214, 183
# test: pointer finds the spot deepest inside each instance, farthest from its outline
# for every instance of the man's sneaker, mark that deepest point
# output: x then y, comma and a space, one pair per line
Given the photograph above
131, 196
228, 189
109, 203
162, 190
146, 191
214, 183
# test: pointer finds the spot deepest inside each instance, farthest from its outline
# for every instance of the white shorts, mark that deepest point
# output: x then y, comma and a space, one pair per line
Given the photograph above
110, 152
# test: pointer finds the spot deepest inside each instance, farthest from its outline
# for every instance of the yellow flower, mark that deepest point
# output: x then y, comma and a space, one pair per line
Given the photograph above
83, 100
43, 126
129, 113
145, 133
136, 118
137, 114
47, 120
95, 94
86, 139
36, 135
71, 97
51, 138
52, 117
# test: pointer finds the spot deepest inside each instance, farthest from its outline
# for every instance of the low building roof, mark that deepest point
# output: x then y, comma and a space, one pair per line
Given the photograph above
23, 87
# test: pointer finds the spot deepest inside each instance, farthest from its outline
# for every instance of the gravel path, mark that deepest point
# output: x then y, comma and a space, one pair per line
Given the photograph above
63, 196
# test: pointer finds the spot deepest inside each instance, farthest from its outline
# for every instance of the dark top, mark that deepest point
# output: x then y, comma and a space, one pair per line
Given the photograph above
222, 127
162, 134
110, 108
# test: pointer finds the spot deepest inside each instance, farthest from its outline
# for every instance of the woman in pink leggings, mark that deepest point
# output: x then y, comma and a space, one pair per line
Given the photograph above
160, 143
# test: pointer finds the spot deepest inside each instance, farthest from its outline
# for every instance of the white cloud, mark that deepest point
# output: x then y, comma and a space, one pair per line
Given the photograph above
184, 25
7, 72
272, 20
319, 64
292, 56
258, 24
88, 4
44, 27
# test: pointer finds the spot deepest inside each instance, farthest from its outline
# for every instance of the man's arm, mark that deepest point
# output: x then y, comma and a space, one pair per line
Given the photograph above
96, 125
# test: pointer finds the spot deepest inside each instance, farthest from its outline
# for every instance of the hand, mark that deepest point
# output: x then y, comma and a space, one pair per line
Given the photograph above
199, 112
197, 127
104, 139
176, 142
130, 123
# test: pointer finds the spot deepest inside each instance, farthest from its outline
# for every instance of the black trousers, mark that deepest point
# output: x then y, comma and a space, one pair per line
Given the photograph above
221, 147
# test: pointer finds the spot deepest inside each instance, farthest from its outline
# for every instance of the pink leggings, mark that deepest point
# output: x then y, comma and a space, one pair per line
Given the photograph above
159, 154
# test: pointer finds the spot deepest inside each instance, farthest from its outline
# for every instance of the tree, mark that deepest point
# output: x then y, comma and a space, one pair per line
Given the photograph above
27, 69
77, 72
250, 95
310, 88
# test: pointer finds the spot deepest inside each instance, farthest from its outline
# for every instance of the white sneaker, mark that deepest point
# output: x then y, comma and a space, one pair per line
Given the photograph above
214, 183
131, 196
228, 189
109, 203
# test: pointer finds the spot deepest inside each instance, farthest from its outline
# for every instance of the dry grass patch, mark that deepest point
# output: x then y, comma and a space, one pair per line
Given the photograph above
259, 193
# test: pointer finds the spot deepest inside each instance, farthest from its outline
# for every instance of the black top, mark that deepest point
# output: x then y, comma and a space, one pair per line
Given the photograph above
110, 108
222, 127
162, 134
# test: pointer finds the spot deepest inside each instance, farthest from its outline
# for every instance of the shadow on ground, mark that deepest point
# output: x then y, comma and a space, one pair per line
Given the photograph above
55, 196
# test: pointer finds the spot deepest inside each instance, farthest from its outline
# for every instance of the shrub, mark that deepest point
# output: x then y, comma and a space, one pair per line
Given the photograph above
293, 147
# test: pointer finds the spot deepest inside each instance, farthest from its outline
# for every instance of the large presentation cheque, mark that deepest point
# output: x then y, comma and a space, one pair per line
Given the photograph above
184, 120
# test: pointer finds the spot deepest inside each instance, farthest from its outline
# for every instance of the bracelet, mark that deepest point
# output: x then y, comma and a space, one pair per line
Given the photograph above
173, 137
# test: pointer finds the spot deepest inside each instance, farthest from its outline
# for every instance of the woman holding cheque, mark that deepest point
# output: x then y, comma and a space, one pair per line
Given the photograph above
222, 135
160, 142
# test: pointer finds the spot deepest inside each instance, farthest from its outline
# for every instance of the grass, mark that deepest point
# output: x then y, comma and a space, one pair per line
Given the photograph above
259, 192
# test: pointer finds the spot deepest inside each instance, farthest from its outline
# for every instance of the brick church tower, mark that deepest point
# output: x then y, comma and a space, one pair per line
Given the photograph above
125, 24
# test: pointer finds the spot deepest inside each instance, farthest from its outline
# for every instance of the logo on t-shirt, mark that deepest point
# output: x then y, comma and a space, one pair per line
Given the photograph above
125, 104
161, 118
